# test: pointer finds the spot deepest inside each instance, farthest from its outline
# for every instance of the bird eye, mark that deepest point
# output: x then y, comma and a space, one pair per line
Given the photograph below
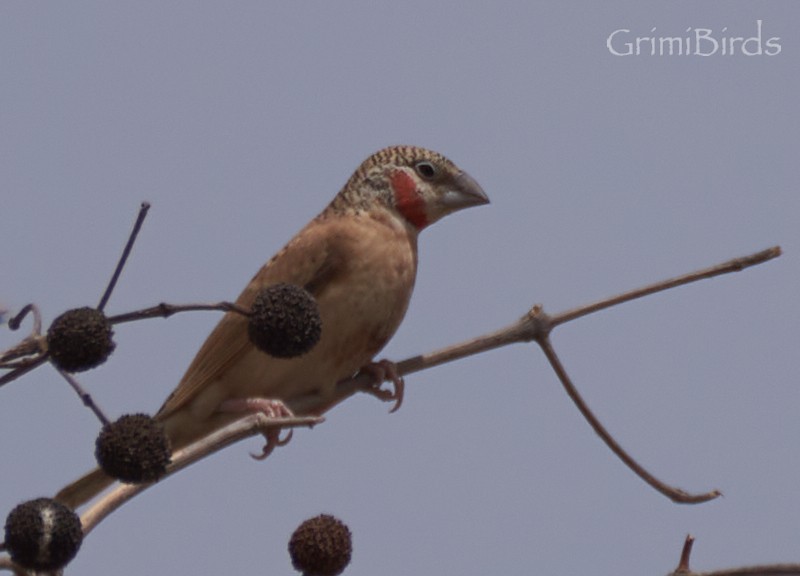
425, 169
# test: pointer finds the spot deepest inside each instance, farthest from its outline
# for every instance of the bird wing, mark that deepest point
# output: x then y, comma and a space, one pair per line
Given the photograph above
311, 259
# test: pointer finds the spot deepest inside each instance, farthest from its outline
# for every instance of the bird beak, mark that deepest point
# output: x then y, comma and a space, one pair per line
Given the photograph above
464, 193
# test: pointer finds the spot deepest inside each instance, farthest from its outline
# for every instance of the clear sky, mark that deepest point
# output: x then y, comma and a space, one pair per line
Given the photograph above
239, 121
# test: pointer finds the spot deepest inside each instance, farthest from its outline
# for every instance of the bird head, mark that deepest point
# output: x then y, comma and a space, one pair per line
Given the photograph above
419, 185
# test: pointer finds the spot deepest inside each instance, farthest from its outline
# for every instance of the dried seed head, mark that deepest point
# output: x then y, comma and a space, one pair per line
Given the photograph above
80, 339
43, 534
285, 321
321, 546
133, 449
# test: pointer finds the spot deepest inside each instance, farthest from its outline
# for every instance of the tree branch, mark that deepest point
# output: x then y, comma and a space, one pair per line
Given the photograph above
246, 427
534, 326
762, 570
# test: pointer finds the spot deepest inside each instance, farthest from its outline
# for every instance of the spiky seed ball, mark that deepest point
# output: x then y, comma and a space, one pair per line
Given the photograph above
285, 321
43, 534
321, 546
80, 339
133, 449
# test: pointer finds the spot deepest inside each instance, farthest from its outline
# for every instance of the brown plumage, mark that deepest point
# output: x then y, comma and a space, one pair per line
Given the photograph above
359, 260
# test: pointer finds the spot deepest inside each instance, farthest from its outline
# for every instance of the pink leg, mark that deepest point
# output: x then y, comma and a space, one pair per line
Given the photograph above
381, 371
271, 409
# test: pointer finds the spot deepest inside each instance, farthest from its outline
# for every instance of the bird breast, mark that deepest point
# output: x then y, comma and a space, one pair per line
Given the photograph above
361, 304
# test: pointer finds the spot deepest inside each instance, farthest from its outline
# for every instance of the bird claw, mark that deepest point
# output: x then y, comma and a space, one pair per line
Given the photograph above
269, 408
274, 440
381, 371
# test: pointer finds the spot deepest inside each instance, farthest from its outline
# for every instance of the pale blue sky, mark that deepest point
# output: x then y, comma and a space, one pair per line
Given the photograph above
239, 121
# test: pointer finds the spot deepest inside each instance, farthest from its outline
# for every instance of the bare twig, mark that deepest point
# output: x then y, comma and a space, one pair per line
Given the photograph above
674, 494
164, 310
19, 358
21, 368
30, 346
85, 397
125, 253
686, 553
735, 265
15, 322
29, 353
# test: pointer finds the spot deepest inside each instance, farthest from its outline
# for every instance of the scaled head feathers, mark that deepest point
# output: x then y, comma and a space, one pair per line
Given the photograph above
419, 185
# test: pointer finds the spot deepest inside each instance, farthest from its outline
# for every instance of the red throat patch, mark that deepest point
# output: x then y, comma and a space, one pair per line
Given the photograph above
408, 202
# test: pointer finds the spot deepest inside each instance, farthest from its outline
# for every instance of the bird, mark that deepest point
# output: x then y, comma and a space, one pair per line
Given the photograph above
358, 259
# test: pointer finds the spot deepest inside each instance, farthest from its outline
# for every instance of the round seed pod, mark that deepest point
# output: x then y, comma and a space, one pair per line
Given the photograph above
321, 546
284, 321
80, 339
43, 535
133, 449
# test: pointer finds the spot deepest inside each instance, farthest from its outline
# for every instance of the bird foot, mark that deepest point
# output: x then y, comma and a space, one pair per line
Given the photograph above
381, 371
269, 408
274, 440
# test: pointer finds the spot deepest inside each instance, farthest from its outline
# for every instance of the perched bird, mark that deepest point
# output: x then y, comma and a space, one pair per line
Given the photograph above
358, 258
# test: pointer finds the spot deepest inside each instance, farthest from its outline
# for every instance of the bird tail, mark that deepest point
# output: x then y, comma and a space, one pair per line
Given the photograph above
84, 488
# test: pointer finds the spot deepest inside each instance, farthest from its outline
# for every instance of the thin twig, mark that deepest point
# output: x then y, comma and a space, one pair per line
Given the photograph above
29, 346
735, 265
125, 253
674, 494
85, 397
22, 368
686, 553
15, 322
164, 310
